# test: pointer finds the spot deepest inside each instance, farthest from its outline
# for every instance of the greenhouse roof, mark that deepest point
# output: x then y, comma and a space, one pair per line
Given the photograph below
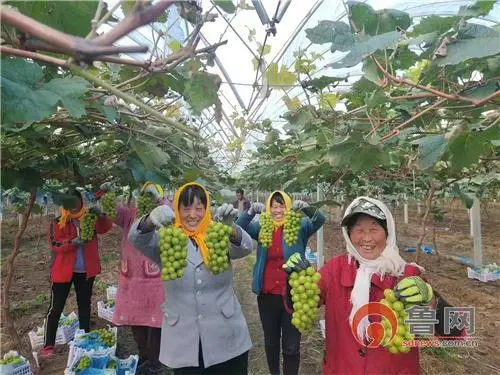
244, 92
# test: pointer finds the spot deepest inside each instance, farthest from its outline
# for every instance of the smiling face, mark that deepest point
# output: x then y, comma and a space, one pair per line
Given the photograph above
368, 237
192, 215
277, 210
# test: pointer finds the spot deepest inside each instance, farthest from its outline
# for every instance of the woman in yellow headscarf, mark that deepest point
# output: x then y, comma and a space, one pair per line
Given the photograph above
203, 330
270, 279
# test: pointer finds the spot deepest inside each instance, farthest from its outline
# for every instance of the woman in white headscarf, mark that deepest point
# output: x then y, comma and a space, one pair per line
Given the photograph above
371, 265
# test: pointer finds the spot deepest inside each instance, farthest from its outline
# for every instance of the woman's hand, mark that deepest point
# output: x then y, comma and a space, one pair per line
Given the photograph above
414, 289
226, 214
160, 216
299, 205
256, 208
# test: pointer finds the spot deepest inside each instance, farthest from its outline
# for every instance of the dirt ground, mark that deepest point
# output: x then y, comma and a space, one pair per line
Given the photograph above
30, 290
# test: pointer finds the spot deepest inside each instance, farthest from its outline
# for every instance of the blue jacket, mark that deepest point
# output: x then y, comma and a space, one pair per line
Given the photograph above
308, 227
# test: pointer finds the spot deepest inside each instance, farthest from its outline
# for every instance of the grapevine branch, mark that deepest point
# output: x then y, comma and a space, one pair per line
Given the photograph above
6, 318
441, 94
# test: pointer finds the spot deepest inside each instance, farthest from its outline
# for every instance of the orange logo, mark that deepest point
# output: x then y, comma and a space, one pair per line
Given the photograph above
375, 330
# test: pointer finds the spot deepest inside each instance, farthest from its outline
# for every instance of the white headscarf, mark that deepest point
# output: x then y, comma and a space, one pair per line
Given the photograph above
389, 262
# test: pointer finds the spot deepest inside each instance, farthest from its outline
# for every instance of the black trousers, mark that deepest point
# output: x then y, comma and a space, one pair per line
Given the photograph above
235, 366
58, 297
148, 340
277, 326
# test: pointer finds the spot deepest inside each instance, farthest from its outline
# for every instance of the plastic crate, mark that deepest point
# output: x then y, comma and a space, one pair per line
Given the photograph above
120, 362
111, 292
24, 369
64, 334
104, 312
482, 276
75, 352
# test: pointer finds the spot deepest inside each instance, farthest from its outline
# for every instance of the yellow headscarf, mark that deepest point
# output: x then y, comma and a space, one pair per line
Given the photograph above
157, 186
288, 206
201, 230
67, 215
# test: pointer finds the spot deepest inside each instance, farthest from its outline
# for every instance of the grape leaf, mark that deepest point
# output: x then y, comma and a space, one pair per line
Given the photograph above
175, 45
466, 148
226, 5
430, 150
434, 24
201, 91
357, 153
328, 100
279, 78
70, 91
72, 17
335, 32
26, 98
479, 8
377, 22
472, 30
150, 155
463, 50
318, 84
363, 49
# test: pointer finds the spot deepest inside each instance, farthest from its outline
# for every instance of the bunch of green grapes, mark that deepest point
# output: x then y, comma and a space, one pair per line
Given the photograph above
395, 346
108, 202
305, 297
83, 363
145, 204
173, 252
291, 227
69, 322
217, 241
266, 229
111, 364
110, 303
12, 359
106, 336
87, 226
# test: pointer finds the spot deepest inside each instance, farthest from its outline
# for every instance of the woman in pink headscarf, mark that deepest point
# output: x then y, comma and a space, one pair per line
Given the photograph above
140, 292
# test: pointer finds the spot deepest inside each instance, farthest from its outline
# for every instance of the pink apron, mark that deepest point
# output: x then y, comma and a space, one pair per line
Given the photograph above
140, 290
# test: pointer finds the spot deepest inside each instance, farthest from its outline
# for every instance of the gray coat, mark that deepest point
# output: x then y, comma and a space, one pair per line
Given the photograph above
198, 307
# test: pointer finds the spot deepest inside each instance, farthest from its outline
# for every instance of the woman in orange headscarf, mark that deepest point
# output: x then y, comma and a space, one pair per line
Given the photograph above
204, 330
74, 261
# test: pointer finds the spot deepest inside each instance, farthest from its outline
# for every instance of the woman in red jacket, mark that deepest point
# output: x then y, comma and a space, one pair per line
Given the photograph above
348, 282
74, 261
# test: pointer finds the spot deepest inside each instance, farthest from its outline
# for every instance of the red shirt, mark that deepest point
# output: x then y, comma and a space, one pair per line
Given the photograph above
344, 355
274, 274
63, 260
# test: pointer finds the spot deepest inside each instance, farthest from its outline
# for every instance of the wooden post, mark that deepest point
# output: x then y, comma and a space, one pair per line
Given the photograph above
476, 225
257, 200
20, 219
319, 235
405, 210
339, 213
419, 210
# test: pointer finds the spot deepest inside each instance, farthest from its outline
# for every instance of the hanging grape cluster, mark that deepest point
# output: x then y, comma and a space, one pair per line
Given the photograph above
266, 229
83, 363
173, 252
305, 291
145, 204
291, 227
395, 346
108, 202
87, 226
217, 240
